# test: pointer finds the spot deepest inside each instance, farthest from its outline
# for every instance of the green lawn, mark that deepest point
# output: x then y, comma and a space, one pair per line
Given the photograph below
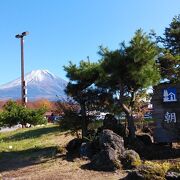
23, 139
28, 146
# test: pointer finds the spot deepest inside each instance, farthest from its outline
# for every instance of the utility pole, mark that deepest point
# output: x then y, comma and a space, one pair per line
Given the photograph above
23, 83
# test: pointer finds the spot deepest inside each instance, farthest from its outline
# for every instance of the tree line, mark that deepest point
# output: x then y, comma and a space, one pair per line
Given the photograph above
116, 83
121, 77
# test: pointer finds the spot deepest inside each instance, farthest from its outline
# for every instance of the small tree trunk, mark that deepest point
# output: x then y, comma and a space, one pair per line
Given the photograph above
130, 121
128, 112
84, 120
131, 126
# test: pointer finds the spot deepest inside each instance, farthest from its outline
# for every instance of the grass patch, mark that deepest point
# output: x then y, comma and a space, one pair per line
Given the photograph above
25, 147
23, 139
157, 170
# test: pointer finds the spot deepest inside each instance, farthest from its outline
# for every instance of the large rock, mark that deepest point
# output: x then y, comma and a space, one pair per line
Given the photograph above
74, 145
106, 160
110, 122
110, 139
111, 149
145, 138
130, 159
137, 145
86, 150
172, 176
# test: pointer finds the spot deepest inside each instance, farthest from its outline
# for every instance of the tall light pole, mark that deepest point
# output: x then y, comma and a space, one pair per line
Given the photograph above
23, 84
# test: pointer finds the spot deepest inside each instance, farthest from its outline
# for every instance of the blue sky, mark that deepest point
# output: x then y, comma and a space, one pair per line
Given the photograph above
70, 30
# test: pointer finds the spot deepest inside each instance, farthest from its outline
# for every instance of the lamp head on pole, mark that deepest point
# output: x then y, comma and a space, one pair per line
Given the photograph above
25, 33
22, 35
18, 36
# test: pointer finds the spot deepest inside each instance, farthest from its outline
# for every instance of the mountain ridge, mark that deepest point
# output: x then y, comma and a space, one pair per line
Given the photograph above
40, 84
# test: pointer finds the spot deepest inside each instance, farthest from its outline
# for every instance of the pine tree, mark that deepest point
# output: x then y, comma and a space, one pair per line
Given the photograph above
82, 78
169, 60
128, 70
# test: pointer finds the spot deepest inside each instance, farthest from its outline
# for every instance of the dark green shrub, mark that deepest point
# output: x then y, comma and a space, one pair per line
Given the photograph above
14, 113
71, 119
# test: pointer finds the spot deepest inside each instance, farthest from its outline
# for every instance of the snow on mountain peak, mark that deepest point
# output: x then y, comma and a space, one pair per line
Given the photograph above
40, 84
35, 77
39, 75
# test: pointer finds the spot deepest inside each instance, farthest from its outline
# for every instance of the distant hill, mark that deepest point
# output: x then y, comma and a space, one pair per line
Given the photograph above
41, 84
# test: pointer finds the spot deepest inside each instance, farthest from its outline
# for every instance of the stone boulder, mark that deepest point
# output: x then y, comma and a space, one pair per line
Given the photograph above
86, 150
74, 145
111, 149
110, 122
172, 176
136, 144
105, 160
130, 159
110, 139
145, 138
133, 175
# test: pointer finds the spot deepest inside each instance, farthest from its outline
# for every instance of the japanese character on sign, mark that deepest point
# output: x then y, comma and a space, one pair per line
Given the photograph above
170, 117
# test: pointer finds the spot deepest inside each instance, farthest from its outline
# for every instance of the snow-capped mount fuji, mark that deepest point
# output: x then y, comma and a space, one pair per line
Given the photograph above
41, 84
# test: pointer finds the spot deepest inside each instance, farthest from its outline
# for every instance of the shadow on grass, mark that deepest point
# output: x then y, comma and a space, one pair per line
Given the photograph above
18, 159
32, 133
